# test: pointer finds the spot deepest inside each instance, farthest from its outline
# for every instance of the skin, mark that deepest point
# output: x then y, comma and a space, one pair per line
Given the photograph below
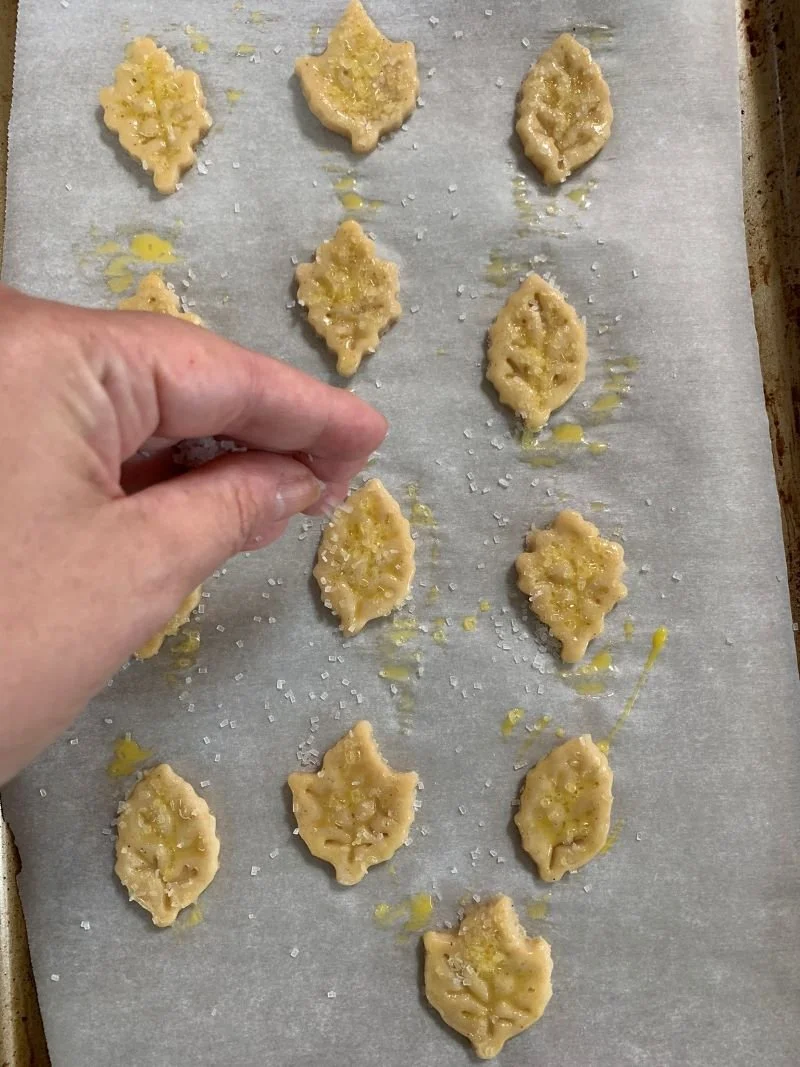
100, 544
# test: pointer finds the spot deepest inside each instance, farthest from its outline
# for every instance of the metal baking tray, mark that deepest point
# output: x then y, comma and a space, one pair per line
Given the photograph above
769, 44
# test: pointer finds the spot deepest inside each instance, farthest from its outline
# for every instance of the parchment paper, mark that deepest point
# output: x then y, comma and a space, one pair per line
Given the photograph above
681, 946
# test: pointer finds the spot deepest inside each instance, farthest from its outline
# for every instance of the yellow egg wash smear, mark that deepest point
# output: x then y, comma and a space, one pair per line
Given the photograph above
143, 248
399, 663
511, 721
538, 908
587, 680
199, 42
501, 270
618, 375
414, 912
192, 917
528, 216
657, 644
568, 433
351, 200
613, 836
564, 438
581, 193
128, 754
421, 514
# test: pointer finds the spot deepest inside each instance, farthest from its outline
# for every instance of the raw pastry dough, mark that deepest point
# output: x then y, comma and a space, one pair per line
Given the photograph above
565, 808
350, 295
363, 85
155, 295
572, 576
365, 562
565, 111
489, 981
158, 111
167, 846
356, 811
537, 351
180, 618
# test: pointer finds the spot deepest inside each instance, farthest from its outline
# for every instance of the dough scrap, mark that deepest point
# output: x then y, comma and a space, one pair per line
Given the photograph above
572, 576
365, 561
489, 981
565, 808
356, 811
350, 295
363, 85
167, 845
180, 618
157, 110
153, 294
537, 351
565, 111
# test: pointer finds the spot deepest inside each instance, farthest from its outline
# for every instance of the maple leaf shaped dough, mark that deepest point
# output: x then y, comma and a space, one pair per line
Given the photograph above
153, 294
167, 845
365, 561
356, 811
565, 808
488, 980
350, 295
537, 351
363, 85
158, 111
572, 577
565, 111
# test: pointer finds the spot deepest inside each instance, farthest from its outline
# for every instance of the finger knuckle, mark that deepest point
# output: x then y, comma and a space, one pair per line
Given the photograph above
243, 509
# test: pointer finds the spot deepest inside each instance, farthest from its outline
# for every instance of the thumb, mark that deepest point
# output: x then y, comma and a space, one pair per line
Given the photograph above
179, 531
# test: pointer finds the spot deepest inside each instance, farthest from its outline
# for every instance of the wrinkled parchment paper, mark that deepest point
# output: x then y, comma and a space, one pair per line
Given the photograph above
681, 945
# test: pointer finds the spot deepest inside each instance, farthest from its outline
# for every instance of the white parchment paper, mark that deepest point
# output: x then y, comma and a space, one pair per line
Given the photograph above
681, 945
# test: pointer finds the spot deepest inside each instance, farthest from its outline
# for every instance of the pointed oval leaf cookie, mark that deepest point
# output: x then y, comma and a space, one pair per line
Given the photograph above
356, 811
350, 295
565, 808
572, 577
488, 980
158, 111
565, 111
537, 351
365, 561
167, 845
363, 85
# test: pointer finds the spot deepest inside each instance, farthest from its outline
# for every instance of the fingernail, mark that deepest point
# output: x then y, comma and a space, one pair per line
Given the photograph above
297, 493
329, 502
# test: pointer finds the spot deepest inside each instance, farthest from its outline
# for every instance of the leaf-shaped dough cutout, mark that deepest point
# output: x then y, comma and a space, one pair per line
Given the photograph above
158, 111
565, 807
365, 561
565, 111
153, 294
350, 295
180, 618
356, 811
537, 351
488, 980
167, 845
572, 577
363, 85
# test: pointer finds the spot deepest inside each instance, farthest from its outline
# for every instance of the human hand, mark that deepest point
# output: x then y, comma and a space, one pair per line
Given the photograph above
99, 548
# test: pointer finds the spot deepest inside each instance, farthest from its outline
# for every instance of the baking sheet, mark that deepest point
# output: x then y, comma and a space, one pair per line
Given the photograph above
677, 947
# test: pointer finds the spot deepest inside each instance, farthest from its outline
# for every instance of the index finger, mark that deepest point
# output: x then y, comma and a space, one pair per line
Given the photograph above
206, 386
